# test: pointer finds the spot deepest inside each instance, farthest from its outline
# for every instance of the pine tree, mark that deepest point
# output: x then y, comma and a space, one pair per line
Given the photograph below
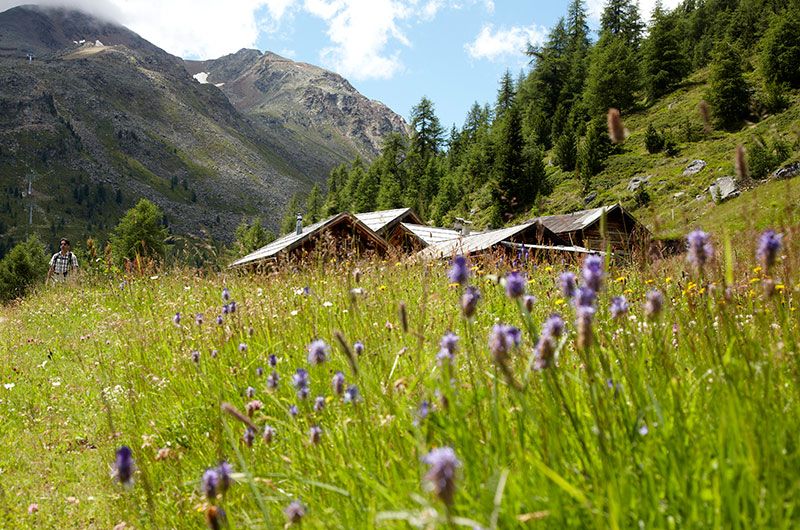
505, 95
428, 133
621, 19
613, 77
728, 92
337, 180
664, 63
780, 50
566, 151
314, 205
514, 188
366, 195
289, 220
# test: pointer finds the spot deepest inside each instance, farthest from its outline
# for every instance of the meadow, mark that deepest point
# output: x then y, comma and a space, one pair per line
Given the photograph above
424, 406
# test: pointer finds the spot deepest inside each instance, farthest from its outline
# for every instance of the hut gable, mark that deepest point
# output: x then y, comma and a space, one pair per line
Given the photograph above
583, 228
340, 227
384, 221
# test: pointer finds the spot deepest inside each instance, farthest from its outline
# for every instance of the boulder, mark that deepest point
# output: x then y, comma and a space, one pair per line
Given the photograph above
723, 189
788, 171
694, 167
589, 198
638, 181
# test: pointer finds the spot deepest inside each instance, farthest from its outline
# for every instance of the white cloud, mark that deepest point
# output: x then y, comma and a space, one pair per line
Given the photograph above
595, 8
497, 44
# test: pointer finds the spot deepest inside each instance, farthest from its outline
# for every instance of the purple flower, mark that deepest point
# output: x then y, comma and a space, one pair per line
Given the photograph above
314, 434
654, 303
515, 284
502, 339
459, 273
224, 470
422, 412
219, 320
319, 403
528, 301
124, 466
214, 354
358, 347
199, 319
553, 326
300, 383
195, 356
317, 352
269, 434
210, 483
619, 307
259, 371
272, 380
250, 392
469, 301
249, 436
449, 342
769, 245
593, 272
544, 353
700, 249
273, 360
351, 395
225, 309
177, 319
226, 295
583, 322
242, 347
338, 383
253, 406
232, 306
293, 411
584, 297
294, 512
441, 475
568, 285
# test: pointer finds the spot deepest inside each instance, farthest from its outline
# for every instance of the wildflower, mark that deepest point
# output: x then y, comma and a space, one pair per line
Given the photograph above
33, 508
242, 347
448, 346
293, 411
643, 430
224, 470
358, 347
584, 297
210, 482
422, 412
232, 306
177, 319
272, 380
528, 301
553, 326
700, 249
259, 371
314, 434
619, 307
124, 466
268, 434
654, 303
225, 309
502, 339
460, 272
769, 244
441, 476
545, 351
583, 323
338, 383
249, 436
250, 392
317, 352
219, 320
226, 295
351, 395
469, 301
568, 285
199, 319
319, 403
300, 381
273, 360
593, 272
515, 284
195, 356
252, 407
215, 518
294, 512
214, 354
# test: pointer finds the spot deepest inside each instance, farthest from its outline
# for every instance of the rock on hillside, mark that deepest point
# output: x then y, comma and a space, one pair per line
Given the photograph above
318, 104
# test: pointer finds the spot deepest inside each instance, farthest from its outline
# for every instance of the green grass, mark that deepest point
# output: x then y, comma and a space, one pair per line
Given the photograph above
689, 420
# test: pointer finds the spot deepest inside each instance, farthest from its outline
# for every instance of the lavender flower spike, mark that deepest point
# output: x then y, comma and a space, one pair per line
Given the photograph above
568, 285
210, 483
469, 301
593, 272
338, 383
502, 339
124, 466
515, 284
619, 307
294, 512
459, 273
654, 304
583, 323
317, 352
769, 245
441, 476
700, 248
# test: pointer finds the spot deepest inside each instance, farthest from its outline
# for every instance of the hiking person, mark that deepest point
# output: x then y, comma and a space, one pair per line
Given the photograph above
63, 264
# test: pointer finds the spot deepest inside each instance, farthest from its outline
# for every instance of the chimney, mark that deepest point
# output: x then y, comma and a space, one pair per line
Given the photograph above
299, 227
462, 225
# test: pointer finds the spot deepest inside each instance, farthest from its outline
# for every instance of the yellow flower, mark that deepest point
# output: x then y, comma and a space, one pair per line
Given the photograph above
548, 269
621, 279
382, 288
648, 282
757, 269
780, 287
560, 301
754, 280
668, 279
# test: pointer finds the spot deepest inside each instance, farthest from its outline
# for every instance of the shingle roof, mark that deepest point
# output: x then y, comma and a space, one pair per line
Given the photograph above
380, 220
293, 240
432, 234
576, 220
476, 242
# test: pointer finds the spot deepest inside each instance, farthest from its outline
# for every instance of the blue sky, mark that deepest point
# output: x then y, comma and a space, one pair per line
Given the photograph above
396, 51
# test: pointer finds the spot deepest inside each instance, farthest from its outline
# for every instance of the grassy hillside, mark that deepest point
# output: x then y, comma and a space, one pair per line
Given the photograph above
683, 419
678, 201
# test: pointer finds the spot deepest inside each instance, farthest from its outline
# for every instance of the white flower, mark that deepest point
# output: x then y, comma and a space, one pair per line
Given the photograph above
9, 386
327, 304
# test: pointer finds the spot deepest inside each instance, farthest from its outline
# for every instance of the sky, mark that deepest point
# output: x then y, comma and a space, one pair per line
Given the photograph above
396, 51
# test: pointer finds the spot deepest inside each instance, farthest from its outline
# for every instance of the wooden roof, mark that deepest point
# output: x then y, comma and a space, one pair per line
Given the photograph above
381, 222
581, 219
480, 242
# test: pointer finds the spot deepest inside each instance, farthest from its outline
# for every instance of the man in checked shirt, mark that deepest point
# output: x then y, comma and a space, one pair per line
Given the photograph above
63, 264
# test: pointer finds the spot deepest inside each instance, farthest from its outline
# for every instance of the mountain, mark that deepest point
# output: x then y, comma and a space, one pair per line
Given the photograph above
100, 117
298, 104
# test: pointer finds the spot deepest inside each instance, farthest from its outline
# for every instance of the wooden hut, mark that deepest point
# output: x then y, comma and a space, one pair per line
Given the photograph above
584, 228
388, 225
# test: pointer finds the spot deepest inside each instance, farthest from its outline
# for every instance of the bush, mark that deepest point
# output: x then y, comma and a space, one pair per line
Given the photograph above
140, 233
763, 158
24, 266
566, 151
653, 141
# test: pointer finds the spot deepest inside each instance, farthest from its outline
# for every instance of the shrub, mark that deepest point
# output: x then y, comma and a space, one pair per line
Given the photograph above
140, 233
566, 151
24, 266
653, 141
